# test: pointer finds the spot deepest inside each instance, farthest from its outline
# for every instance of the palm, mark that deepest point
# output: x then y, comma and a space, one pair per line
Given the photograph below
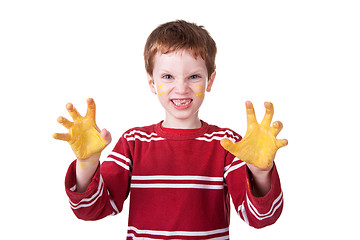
259, 145
84, 136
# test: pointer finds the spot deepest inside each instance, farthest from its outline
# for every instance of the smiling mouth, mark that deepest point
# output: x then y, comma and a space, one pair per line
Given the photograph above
181, 101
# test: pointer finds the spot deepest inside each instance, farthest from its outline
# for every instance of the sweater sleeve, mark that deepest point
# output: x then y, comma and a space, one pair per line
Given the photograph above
258, 212
108, 189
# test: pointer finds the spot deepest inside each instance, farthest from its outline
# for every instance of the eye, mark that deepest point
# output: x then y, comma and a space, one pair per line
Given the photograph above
167, 76
195, 76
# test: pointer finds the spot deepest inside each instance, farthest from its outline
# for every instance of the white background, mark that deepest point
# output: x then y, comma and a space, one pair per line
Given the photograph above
304, 56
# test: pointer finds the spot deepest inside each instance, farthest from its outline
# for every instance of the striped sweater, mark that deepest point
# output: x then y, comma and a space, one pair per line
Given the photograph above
179, 184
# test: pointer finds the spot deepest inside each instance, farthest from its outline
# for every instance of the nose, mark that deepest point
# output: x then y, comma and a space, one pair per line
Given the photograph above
181, 86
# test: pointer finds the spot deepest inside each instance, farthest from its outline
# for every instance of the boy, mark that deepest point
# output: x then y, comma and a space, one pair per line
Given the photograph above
177, 172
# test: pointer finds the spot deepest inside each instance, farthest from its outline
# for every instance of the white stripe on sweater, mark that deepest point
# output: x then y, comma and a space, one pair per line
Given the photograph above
215, 138
144, 139
222, 133
242, 211
121, 157
141, 133
142, 181
178, 177
178, 233
275, 205
86, 202
121, 164
232, 168
146, 238
209, 137
168, 185
142, 136
228, 166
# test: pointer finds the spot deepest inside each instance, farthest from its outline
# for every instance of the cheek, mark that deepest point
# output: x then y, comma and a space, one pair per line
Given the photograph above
200, 91
160, 91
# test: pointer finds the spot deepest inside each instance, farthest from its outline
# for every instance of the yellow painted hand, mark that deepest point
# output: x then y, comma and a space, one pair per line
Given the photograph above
84, 136
259, 145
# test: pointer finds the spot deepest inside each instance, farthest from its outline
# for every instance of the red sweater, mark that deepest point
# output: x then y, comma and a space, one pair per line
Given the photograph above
179, 185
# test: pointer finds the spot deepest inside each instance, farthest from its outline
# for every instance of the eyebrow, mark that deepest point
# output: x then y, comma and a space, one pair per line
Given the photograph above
196, 71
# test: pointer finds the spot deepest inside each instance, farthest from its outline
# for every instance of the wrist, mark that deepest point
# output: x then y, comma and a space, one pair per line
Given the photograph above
260, 180
85, 170
88, 163
258, 172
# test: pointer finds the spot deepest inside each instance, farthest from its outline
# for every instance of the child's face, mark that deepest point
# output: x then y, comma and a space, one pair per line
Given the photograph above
180, 81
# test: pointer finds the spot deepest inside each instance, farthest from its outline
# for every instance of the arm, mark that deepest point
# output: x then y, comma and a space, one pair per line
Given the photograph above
108, 188
260, 180
251, 176
256, 211
85, 169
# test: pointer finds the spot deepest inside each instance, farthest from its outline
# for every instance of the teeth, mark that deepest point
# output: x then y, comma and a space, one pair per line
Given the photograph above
181, 102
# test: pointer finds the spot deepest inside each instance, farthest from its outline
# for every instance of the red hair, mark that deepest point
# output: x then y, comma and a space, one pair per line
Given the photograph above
180, 35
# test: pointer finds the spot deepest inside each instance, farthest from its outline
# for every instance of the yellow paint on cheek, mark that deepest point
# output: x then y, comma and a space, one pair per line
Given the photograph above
159, 87
160, 93
201, 88
200, 93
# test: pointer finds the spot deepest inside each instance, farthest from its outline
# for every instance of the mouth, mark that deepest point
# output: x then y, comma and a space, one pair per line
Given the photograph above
181, 103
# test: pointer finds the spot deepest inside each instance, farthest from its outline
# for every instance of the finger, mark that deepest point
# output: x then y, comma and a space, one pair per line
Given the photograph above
105, 134
276, 128
91, 109
66, 123
227, 144
73, 112
269, 114
281, 143
250, 113
61, 136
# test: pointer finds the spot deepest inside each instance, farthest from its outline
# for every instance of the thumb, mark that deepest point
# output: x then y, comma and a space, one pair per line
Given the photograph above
105, 134
227, 144
281, 143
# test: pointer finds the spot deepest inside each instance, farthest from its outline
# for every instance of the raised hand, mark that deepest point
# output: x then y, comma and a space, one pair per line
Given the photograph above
259, 145
84, 136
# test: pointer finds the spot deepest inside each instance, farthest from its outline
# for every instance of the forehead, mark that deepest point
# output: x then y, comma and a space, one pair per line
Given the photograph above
178, 60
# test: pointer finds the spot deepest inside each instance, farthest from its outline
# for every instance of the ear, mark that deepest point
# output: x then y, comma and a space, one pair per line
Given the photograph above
210, 81
151, 84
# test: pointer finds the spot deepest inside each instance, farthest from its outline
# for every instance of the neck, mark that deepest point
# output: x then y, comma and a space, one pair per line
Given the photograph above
191, 123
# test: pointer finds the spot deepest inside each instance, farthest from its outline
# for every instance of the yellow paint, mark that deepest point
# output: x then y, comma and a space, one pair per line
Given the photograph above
259, 145
159, 87
201, 88
84, 136
160, 93
92, 160
200, 93
85, 139
82, 165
